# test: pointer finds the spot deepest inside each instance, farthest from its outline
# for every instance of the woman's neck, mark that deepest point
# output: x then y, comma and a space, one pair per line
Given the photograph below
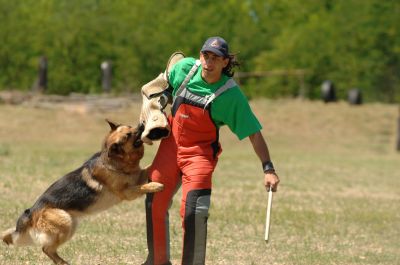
209, 78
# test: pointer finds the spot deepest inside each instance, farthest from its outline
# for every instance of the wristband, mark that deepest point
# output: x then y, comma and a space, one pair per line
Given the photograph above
268, 167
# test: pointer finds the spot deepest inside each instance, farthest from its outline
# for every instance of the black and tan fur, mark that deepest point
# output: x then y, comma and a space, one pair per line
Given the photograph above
107, 178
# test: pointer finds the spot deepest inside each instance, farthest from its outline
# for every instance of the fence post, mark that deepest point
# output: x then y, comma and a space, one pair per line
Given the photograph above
41, 81
302, 86
398, 132
106, 76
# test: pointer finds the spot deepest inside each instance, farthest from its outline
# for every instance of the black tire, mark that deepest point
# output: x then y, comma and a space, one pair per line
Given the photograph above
328, 93
354, 96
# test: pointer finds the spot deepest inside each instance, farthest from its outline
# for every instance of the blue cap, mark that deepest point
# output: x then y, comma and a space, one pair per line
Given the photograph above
216, 45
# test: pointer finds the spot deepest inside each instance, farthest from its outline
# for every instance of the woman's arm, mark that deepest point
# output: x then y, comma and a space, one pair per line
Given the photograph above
261, 149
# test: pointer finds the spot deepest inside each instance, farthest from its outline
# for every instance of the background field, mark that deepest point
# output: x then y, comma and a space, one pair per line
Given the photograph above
338, 202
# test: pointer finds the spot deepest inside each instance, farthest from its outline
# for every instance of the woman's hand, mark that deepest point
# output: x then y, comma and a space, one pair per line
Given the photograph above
271, 179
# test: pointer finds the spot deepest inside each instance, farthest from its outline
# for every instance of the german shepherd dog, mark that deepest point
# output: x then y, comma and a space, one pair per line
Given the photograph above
107, 178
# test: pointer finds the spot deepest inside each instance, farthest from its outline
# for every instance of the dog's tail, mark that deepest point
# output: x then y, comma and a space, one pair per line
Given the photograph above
19, 236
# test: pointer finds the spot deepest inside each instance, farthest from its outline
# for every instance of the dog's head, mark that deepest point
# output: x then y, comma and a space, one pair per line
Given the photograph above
123, 143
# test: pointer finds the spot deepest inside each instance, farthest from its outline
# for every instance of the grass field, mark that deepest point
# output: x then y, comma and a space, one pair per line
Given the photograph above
338, 202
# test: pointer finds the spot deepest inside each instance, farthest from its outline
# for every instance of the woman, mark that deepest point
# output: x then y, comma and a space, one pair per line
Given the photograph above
205, 97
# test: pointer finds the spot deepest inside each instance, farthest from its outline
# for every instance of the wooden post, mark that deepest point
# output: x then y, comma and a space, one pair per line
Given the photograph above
40, 84
302, 89
398, 132
106, 76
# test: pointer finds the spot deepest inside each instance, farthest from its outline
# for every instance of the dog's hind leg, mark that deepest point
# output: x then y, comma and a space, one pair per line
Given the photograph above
53, 228
7, 236
19, 236
53, 255
12, 237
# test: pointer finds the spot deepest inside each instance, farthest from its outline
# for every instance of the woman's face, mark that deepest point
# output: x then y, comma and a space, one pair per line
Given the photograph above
212, 65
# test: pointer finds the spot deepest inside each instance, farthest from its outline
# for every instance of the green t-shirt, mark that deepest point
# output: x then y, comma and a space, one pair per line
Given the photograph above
230, 108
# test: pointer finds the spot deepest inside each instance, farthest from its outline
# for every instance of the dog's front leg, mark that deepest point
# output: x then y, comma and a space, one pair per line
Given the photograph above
144, 186
134, 191
150, 187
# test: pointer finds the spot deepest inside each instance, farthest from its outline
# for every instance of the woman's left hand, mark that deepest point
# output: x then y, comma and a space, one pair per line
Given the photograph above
271, 179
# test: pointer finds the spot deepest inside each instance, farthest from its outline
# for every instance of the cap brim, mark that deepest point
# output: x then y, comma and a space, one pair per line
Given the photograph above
213, 50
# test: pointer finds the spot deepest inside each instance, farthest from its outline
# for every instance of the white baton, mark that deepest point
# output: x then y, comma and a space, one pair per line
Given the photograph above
268, 219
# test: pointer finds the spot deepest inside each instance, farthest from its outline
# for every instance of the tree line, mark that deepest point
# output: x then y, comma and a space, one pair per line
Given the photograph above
354, 43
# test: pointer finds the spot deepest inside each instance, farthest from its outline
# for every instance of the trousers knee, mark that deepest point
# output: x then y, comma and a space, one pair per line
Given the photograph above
195, 226
199, 210
197, 204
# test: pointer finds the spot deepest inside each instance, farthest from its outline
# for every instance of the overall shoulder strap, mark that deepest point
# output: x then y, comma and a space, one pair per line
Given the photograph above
228, 84
188, 77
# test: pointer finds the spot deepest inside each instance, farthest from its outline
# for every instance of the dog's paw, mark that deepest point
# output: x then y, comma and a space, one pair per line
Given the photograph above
7, 237
154, 187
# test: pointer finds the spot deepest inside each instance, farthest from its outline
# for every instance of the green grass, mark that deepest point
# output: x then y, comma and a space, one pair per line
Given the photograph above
338, 202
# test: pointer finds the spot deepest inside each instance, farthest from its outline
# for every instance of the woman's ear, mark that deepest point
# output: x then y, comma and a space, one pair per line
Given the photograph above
226, 62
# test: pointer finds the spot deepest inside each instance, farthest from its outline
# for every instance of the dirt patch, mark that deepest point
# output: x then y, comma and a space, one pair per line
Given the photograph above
73, 103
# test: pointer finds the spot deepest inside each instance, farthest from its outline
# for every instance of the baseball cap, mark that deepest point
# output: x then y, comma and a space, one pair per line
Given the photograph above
216, 45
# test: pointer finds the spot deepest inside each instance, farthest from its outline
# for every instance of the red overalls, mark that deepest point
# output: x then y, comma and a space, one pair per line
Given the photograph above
188, 157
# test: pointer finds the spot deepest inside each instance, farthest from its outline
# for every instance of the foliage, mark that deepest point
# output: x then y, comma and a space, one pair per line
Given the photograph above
353, 43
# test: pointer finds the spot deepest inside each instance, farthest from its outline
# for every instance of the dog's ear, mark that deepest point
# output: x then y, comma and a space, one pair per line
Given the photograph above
113, 126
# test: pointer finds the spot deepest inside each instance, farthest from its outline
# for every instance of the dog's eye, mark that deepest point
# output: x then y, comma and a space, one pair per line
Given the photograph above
115, 148
129, 135
137, 143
